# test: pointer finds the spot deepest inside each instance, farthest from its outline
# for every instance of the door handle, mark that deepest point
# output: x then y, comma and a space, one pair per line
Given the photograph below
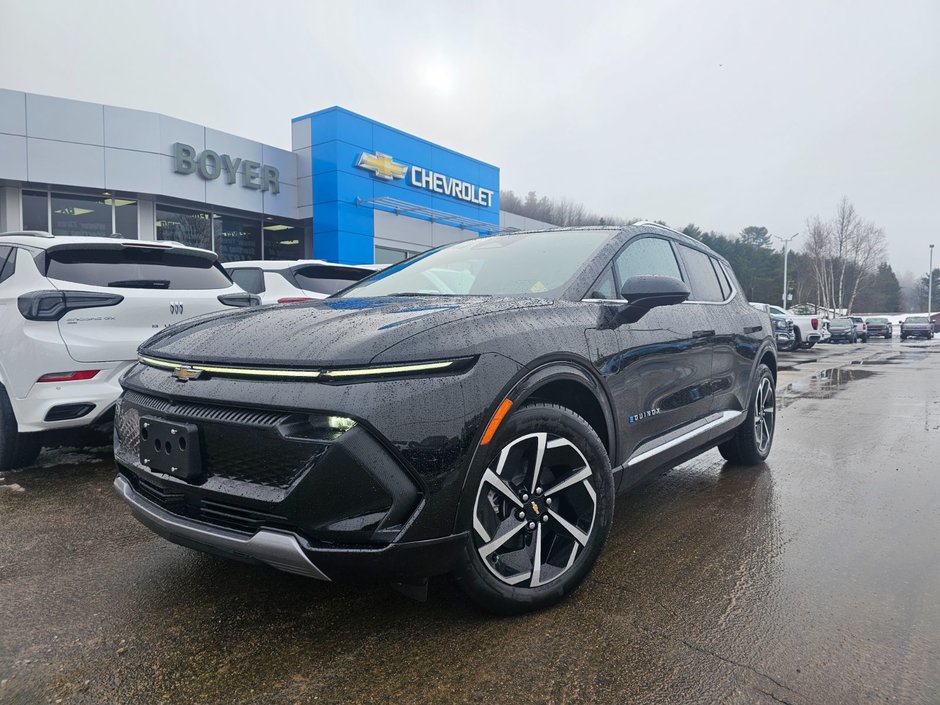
752, 329
702, 333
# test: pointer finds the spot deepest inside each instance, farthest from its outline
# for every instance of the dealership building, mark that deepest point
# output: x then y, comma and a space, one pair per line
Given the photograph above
350, 189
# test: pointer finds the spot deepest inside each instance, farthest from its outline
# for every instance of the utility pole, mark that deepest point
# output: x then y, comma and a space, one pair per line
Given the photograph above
786, 248
930, 289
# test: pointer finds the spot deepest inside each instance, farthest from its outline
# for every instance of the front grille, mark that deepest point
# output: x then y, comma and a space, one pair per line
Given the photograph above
238, 444
207, 511
206, 412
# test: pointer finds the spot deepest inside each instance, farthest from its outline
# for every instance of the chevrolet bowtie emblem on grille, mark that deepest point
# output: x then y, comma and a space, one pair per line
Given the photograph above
535, 507
382, 165
184, 374
176, 307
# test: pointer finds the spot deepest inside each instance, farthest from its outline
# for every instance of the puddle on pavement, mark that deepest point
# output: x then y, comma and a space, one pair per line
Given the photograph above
825, 384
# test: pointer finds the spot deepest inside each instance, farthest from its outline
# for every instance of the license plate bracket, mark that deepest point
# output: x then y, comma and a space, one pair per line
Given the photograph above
171, 448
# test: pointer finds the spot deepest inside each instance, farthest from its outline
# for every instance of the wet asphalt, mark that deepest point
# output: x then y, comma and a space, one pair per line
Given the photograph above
812, 579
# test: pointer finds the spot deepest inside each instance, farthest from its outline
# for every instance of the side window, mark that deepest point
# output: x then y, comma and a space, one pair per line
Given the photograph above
722, 279
7, 262
248, 278
703, 280
605, 287
648, 256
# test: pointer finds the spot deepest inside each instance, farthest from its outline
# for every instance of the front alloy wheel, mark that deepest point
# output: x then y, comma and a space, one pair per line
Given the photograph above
534, 510
541, 509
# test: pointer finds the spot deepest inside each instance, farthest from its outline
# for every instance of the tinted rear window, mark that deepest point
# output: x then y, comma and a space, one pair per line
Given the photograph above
916, 319
135, 268
251, 279
840, 323
324, 279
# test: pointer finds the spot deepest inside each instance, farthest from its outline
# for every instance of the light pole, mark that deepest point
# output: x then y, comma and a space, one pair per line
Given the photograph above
930, 289
786, 244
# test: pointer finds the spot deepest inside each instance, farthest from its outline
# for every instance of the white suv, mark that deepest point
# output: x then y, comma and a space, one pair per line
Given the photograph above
287, 281
73, 311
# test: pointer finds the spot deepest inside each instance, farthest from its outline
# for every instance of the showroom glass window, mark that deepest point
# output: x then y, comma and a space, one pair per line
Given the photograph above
73, 214
125, 216
35, 210
389, 255
188, 227
237, 239
283, 240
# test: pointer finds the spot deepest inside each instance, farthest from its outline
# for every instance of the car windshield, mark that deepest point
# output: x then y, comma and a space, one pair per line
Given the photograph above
916, 319
524, 264
841, 323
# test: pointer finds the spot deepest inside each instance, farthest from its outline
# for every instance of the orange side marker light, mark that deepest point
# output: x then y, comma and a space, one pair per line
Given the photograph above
496, 421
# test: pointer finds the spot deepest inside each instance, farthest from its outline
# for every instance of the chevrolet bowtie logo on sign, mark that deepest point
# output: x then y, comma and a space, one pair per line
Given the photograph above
382, 165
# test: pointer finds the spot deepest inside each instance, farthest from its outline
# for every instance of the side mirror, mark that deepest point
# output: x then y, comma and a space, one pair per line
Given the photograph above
648, 292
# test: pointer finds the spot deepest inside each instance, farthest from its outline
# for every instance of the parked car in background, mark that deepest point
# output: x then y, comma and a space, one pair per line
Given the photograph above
73, 311
807, 330
842, 330
861, 328
783, 332
408, 428
289, 281
916, 327
880, 327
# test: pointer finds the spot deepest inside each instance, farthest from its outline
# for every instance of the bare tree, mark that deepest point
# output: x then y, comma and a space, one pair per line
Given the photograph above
844, 252
867, 250
818, 248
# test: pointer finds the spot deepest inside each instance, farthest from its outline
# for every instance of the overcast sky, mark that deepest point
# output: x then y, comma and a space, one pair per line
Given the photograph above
724, 114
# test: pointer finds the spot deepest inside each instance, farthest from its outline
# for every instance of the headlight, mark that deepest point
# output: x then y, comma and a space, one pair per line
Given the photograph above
780, 325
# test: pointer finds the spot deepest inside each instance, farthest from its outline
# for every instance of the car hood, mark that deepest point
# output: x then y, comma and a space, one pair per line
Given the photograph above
330, 332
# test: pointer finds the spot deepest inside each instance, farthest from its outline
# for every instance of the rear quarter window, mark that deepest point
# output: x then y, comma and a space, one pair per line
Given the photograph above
7, 262
135, 268
251, 279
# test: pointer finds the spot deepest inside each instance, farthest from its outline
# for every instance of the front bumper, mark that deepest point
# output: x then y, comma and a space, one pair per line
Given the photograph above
279, 549
380, 500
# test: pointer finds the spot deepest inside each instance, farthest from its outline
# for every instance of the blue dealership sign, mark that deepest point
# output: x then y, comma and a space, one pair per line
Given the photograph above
359, 164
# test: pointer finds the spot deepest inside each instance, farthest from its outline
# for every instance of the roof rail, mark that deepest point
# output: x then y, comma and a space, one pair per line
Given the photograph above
660, 225
28, 233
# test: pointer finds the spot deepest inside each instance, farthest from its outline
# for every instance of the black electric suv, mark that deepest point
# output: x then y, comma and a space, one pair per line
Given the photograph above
473, 410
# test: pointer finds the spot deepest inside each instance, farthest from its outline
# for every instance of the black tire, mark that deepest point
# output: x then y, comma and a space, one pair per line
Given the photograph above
797, 339
754, 438
504, 579
16, 449
7, 432
864, 338
903, 337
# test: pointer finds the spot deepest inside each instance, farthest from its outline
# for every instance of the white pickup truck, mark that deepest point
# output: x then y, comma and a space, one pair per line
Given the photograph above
807, 330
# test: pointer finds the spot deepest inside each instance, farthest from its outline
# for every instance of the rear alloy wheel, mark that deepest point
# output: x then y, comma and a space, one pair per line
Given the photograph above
540, 511
751, 443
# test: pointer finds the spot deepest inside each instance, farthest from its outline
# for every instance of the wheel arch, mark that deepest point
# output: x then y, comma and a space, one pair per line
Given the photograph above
549, 381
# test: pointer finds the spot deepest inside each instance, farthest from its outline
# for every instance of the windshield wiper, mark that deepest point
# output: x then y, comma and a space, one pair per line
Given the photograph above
142, 283
419, 293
